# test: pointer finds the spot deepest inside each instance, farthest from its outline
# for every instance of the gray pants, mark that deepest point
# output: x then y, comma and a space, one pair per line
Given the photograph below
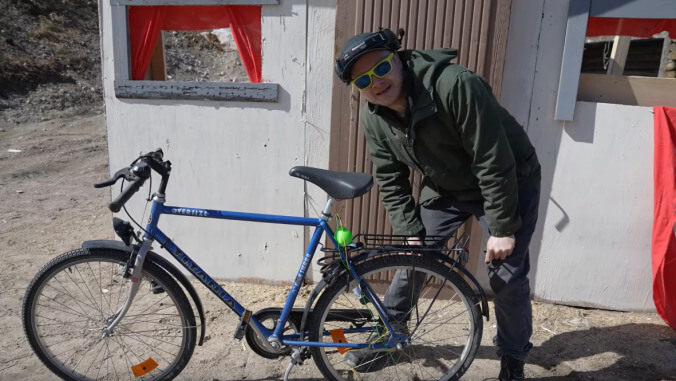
508, 278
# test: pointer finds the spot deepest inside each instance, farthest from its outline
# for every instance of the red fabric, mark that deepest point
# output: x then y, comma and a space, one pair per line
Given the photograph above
608, 26
145, 24
664, 221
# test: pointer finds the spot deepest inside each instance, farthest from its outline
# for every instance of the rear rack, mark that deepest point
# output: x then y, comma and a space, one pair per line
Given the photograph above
455, 247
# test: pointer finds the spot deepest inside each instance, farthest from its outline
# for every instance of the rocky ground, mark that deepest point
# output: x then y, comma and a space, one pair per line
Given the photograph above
50, 61
53, 148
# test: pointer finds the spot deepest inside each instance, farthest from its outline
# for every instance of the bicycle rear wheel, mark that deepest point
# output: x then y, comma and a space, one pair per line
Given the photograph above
443, 324
77, 293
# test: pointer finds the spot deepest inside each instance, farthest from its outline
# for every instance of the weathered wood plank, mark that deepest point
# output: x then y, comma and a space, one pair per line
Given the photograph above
627, 90
466, 35
472, 47
158, 67
482, 62
248, 92
499, 48
440, 23
618, 56
666, 55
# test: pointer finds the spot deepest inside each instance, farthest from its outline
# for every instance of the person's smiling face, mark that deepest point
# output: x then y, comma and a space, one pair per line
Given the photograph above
387, 91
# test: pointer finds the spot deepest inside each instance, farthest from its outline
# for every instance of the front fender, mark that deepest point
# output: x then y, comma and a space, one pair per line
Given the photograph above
161, 262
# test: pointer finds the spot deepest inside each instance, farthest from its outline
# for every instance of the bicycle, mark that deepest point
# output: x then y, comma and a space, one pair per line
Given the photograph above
117, 310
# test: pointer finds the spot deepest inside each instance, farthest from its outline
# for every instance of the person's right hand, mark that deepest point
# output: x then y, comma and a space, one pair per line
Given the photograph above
499, 248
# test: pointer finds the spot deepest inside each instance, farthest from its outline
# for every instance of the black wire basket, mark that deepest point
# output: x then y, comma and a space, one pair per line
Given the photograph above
453, 246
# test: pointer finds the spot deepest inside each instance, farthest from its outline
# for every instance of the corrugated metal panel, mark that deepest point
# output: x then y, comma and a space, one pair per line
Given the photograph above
477, 28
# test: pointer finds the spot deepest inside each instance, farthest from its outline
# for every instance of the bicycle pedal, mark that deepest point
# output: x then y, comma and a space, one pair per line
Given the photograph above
243, 323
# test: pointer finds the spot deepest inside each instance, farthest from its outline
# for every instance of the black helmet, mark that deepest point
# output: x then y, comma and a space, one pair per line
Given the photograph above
361, 44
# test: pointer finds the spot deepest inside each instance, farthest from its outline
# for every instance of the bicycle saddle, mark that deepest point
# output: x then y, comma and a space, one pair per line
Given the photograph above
339, 185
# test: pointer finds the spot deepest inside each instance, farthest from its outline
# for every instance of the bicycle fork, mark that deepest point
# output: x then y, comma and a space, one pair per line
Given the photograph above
133, 289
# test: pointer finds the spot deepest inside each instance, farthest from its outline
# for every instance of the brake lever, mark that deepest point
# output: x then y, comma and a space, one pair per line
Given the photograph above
122, 173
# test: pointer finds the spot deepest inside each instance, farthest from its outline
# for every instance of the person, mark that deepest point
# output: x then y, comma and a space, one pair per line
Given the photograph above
442, 120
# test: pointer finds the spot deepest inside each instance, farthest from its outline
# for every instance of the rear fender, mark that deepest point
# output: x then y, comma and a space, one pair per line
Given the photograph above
444, 259
161, 262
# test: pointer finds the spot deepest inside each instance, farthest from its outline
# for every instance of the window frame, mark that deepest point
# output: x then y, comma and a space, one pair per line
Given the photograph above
574, 86
125, 87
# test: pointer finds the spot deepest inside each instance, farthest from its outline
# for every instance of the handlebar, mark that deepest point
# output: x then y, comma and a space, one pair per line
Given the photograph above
137, 173
123, 197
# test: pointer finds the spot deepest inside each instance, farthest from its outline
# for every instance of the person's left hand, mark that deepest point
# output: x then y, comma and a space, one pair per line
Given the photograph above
499, 247
414, 241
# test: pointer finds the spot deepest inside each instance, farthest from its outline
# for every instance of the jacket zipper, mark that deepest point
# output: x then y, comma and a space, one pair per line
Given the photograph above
410, 135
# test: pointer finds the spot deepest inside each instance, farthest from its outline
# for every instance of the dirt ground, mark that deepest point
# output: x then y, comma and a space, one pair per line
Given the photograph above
48, 206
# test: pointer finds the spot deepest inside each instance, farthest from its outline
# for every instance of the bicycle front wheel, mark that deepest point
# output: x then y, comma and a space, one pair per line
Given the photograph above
441, 320
78, 293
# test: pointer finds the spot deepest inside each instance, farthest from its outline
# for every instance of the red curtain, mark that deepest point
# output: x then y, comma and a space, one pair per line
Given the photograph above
608, 26
664, 220
145, 24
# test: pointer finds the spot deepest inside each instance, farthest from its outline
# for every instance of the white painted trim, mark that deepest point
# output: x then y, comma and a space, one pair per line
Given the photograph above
573, 48
579, 12
637, 9
121, 49
215, 91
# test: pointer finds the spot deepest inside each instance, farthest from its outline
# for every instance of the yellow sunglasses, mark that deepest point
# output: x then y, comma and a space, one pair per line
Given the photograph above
380, 70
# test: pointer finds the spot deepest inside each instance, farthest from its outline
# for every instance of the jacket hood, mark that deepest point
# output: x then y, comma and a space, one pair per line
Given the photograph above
426, 64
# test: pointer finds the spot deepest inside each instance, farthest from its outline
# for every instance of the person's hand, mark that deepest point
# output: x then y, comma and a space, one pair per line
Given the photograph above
499, 248
414, 241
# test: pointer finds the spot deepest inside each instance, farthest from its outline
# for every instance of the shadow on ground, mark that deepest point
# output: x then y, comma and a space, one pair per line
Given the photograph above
623, 352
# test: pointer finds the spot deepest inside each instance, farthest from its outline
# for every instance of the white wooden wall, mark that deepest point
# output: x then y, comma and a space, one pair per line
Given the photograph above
235, 155
592, 245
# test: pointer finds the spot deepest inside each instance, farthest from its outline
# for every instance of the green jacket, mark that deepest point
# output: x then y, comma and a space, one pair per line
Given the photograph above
456, 134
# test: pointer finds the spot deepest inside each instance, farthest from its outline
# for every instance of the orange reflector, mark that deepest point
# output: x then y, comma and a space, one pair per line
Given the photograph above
144, 367
339, 337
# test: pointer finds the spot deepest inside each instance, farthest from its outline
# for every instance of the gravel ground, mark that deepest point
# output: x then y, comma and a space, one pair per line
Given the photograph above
48, 206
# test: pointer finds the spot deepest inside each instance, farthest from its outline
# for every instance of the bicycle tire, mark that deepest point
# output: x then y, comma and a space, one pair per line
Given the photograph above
68, 302
445, 328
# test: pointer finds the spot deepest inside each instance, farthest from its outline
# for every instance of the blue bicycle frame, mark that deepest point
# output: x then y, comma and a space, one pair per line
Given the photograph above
153, 233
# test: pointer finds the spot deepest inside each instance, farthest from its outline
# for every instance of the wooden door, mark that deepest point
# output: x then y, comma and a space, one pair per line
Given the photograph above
477, 28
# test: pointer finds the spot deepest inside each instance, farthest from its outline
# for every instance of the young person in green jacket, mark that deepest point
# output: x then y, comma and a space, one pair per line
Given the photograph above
442, 120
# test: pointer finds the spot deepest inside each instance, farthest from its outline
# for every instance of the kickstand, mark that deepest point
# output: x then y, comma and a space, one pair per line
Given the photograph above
288, 370
297, 357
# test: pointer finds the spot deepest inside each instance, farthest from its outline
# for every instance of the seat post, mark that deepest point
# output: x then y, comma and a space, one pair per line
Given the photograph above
326, 213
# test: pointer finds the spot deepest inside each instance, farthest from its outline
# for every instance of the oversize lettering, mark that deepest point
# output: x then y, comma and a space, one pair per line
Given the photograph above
190, 212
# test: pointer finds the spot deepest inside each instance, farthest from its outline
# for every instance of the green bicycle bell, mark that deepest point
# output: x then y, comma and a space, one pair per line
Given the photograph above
343, 236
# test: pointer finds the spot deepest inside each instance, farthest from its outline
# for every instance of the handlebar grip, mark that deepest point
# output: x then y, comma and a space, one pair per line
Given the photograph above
106, 183
126, 194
